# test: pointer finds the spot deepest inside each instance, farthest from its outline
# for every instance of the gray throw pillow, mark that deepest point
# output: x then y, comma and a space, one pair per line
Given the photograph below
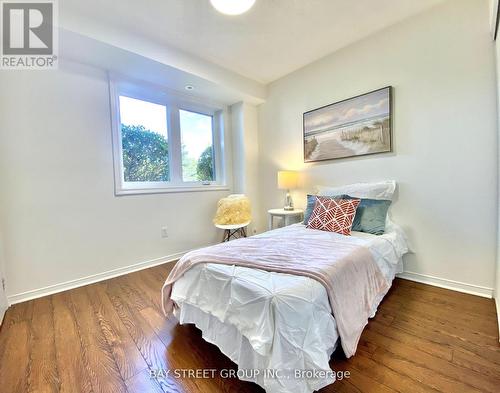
371, 215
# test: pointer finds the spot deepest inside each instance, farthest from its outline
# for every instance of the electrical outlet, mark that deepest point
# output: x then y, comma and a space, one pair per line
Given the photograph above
164, 232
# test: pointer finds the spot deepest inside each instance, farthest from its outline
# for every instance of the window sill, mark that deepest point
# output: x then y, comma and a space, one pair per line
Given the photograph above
168, 190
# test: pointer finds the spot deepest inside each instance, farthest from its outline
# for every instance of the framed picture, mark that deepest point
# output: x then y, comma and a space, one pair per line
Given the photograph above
357, 126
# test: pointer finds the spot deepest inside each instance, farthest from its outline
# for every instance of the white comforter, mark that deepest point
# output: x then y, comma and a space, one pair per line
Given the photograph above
273, 321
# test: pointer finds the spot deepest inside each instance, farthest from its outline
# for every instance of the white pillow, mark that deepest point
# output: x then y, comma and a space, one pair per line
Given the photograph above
379, 190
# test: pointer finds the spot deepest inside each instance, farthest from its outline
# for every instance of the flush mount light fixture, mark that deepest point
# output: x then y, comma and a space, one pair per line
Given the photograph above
189, 87
232, 7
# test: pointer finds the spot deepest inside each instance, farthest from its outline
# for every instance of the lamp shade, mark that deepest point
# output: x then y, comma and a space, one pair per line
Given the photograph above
287, 180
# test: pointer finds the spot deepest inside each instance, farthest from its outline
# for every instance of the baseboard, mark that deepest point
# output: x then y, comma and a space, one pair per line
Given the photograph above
448, 284
51, 289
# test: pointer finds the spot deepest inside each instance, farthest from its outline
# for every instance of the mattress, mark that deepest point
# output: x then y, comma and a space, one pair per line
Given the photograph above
274, 321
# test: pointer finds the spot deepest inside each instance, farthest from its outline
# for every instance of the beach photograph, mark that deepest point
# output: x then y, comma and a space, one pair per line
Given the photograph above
357, 126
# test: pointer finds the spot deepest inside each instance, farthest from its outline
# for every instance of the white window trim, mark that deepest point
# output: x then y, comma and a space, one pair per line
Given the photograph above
174, 101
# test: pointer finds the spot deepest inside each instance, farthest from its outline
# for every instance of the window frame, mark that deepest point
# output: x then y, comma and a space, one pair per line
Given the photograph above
174, 102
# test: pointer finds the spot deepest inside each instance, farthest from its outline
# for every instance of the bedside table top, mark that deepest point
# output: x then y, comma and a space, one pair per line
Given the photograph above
283, 212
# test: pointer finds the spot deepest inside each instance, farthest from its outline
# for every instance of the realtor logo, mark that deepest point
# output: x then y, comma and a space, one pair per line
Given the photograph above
29, 35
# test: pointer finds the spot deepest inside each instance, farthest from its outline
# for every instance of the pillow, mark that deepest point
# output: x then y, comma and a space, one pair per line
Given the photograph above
380, 190
333, 215
311, 201
370, 216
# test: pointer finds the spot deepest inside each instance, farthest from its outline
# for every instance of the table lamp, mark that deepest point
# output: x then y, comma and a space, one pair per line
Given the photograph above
287, 180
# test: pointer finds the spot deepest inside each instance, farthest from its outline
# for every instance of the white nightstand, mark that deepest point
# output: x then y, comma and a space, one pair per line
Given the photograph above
288, 216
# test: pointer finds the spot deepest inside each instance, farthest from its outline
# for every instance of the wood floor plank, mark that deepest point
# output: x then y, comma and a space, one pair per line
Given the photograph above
420, 373
442, 351
129, 288
43, 375
475, 362
161, 325
437, 365
73, 374
384, 317
357, 382
451, 335
484, 326
460, 297
157, 274
383, 374
486, 353
341, 387
126, 354
449, 303
412, 303
17, 354
144, 283
100, 363
479, 329
148, 343
142, 382
110, 335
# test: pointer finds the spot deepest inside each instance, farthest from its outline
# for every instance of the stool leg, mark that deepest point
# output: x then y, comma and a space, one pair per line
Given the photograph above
234, 234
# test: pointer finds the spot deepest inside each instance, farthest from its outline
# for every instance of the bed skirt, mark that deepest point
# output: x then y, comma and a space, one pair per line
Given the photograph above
252, 366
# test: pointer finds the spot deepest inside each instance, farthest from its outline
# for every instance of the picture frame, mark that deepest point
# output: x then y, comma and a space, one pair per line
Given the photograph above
357, 126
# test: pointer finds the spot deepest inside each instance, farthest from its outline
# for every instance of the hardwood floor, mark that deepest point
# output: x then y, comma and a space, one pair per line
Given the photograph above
105, 337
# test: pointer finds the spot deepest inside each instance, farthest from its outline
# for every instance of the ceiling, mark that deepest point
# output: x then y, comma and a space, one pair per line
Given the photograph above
273, 39
133, 67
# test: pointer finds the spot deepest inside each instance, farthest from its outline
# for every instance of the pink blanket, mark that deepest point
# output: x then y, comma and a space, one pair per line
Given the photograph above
348, 272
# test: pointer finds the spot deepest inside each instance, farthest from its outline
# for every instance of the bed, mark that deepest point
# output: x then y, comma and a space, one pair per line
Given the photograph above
277, 323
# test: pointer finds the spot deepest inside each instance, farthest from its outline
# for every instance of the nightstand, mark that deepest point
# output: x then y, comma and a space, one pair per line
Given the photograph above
288, 216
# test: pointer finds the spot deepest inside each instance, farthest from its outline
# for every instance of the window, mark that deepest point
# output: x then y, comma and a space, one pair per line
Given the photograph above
165, 143
197, 146
144, 140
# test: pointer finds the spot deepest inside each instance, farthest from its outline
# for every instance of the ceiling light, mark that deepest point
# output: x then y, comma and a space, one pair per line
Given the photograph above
232, 7
189, 87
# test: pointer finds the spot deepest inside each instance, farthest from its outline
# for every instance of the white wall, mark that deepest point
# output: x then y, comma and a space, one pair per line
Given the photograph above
246, 155
442, 68
60, 217
497, 279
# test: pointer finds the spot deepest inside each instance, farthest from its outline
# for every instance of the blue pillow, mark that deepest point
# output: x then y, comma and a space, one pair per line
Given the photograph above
311, 200
370, 215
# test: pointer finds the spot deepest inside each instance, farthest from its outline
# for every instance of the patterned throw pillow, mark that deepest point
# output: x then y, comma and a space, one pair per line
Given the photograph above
311, 201
333, 215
